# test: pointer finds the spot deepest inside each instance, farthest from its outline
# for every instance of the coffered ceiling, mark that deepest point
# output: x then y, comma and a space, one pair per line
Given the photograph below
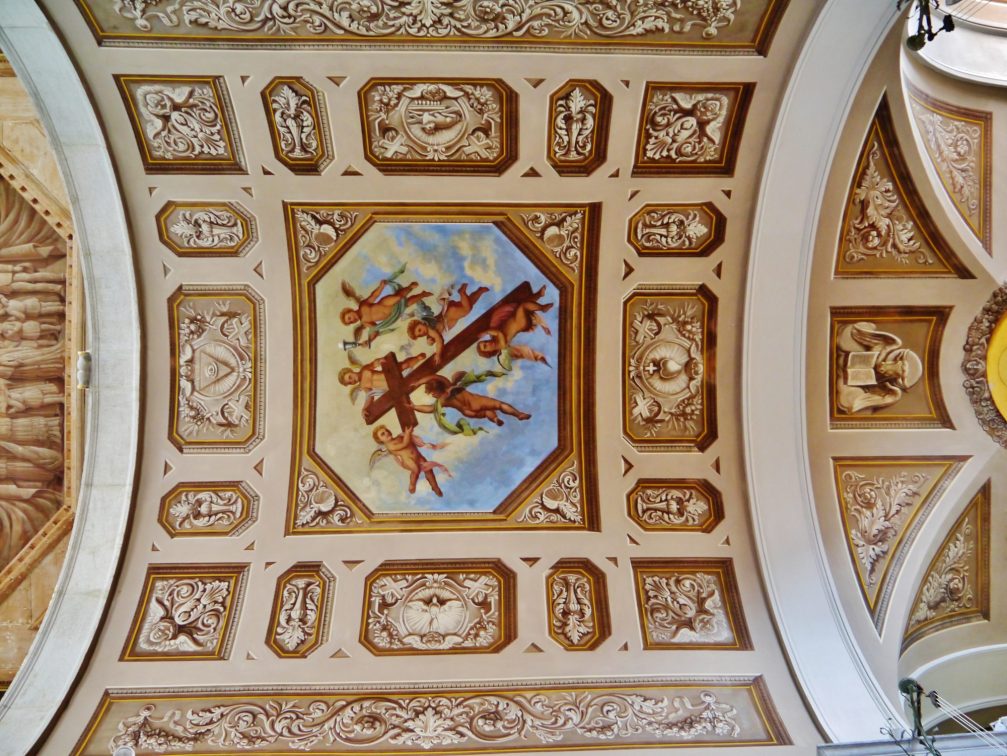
442, 437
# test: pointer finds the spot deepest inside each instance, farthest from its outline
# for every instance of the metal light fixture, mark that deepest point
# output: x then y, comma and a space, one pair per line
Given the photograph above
924, 23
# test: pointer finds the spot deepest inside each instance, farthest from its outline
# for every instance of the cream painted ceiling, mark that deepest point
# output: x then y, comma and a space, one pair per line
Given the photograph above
747, 681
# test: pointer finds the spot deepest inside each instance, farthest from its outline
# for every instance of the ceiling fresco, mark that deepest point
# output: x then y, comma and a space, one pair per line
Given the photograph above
443, 439
402, 318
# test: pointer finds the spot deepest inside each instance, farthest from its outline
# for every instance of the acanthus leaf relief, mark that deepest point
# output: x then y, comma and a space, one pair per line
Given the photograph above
878, 507
955, 587
318, 231
886, 229
219, 376
579, 115
691, 128
682, 505
318, 506
206, 229
678, 25
689, 603
880, 227
692, 229
299, 622
208, 509
187, 612
561, 232
298, 124
525, 717
560, 501
439, 607
956, 140
883, 503
669, 370
182, 123
578, 604
439, 126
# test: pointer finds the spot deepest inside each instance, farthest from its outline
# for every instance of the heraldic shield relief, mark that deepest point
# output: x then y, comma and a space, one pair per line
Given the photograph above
440, 376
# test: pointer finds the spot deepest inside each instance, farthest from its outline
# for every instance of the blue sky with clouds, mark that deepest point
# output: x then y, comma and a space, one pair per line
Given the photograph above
486, 467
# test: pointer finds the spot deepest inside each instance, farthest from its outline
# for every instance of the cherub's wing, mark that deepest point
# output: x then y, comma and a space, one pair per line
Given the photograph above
358, 332
376, 456
355, 391
423, 312
457, 376
350, 292
353, 359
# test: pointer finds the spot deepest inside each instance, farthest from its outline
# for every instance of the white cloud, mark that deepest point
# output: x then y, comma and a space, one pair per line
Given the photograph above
478, 251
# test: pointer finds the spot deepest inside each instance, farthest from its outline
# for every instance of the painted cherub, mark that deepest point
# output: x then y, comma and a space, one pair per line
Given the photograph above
435, 327
509, 320
454, 394
405, 448
375, 314
369, 377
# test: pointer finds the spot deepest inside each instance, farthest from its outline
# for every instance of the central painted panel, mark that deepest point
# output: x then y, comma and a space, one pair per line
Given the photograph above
440, 372
483, 414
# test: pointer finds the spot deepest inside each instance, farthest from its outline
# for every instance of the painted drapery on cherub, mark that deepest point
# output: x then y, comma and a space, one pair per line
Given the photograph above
436, 377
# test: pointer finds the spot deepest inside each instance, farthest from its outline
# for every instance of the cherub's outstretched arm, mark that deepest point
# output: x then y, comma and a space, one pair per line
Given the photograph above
373, 296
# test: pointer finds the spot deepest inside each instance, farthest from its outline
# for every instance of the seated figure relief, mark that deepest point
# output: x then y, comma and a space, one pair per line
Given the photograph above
873, 369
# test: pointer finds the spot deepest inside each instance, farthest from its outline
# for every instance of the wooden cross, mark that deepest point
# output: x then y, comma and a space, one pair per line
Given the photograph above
401, 386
